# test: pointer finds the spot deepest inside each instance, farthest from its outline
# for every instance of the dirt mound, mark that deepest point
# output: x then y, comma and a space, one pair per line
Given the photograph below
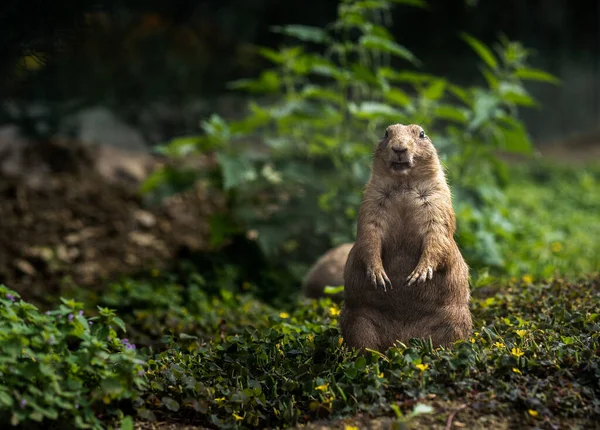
71, 213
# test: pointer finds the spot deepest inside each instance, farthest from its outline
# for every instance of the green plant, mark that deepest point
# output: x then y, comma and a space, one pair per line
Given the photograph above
293, 168
62, 366
533, 357
159, 310
555, 220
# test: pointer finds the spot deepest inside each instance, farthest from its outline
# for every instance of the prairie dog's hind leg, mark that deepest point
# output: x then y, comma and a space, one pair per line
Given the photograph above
359, 331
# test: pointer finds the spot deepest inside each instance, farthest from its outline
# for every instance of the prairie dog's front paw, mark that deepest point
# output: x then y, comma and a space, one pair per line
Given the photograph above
422, 273
378, 277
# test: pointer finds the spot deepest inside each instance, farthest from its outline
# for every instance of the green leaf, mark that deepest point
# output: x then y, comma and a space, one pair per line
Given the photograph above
169, 180
272, 55
491, 79
371, 110
6, 400
361, 364
120, 323
127, 423
483, 51
235, 170
171, 404
268, 82
435, 91
406, 76
512, 137
146, 414
333, 290
386, 45
415, 3
112, 386
397, 97
515, 93
451, 113
317, 92
303, 32
535, 75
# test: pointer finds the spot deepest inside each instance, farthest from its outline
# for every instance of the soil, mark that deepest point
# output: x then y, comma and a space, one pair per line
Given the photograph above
71, 214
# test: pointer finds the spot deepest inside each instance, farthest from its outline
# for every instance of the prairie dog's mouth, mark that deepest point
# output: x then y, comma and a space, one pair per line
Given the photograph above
401, 166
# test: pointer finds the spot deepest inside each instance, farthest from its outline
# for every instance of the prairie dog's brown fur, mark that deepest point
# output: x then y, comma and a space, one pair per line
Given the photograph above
405, 276
328, 270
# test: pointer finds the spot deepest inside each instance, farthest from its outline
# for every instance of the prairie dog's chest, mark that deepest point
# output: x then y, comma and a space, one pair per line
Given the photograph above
408, 206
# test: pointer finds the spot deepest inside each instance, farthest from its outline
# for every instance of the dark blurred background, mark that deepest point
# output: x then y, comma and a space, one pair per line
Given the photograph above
167, 63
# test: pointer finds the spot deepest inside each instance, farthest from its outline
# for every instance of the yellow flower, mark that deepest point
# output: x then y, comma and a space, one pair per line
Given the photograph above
499, 345
310, 337
106, 400
517, 352
533, 412
514, 369
347, 427
220, 399
556, 247
284, 315
334, 311
528, 279
472, 340
340, 341
322, 387
237, 417
422, 367
380, 375
521, 333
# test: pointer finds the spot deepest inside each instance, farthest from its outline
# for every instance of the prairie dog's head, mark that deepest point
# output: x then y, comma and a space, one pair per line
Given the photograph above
404, 148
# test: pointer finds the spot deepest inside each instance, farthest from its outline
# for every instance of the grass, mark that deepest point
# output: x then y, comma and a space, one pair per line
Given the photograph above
555, 209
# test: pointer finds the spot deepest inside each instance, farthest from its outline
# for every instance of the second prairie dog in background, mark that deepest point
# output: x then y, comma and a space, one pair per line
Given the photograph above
405, 276
327, 271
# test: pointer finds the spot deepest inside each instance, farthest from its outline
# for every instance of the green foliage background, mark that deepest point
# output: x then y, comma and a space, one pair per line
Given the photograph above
294, 167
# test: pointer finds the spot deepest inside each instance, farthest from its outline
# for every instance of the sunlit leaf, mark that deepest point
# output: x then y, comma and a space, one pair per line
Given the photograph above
435, 90
483, 51
272, 55
373, 109
415, 3
535, 75
386, 45
317, 92
303, 32
406, 76
516, 94
397, 96
490, 78
451, 113
268, 82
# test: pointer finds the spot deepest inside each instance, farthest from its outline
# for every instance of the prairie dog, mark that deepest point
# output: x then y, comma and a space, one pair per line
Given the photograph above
405, 276
328, 270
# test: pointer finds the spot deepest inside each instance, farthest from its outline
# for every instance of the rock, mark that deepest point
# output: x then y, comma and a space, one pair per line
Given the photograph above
25, 267
98, 125
145, 218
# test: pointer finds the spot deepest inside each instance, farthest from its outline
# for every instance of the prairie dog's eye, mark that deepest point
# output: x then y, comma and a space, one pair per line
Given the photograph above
386, 133
422, 134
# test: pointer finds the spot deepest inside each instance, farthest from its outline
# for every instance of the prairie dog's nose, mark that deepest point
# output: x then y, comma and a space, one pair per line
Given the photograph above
399, 149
